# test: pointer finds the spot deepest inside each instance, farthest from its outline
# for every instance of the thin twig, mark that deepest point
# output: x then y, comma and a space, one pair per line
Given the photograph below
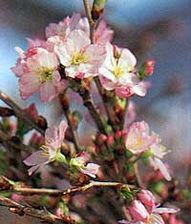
20, 209
92, 24
67, 113
20, 113
56, 192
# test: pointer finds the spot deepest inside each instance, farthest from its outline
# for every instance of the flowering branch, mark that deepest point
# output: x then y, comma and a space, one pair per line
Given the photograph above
105, 99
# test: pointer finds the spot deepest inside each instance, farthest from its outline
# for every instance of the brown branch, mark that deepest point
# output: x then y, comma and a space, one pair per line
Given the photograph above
66, 108
101, 91
20, 209
20, 113
56, 192
92, 23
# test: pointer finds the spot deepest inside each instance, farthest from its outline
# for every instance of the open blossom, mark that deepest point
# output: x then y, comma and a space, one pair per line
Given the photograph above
81, 163
139, 138
145, 210
50, 151
63, 28
37, 70
79, 57
103, 33
118, 72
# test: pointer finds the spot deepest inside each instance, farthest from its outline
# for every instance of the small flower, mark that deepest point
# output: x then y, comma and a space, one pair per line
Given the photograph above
118, 72
79, 57
81, 164
142, 215
103, 33
37, 70
139, 139
50, 151
65, 27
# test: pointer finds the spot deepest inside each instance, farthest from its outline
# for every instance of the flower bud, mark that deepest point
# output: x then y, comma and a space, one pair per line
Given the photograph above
147, 198
110, 140
138, 211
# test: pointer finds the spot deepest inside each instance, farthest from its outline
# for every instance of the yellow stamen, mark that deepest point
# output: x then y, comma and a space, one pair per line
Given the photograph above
45, 74
78, 58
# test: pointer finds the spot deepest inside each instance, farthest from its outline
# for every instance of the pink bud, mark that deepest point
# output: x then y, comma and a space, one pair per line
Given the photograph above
147, 198
101, 139
110, 140
118, 134
150, 65
138, 211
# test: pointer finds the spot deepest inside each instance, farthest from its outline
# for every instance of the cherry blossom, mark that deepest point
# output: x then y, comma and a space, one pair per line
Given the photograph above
146, 211
81, 163
139, 139
118, 72
50, 151
79, 57
37, 70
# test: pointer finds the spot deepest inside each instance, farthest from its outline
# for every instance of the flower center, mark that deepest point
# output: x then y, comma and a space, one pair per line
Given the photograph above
45, 74
118, 71
78, 58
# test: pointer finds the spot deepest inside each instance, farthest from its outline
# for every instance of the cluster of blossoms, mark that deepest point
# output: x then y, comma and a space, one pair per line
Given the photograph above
69, 56
68, 46
51, 151
140, 141
144, 210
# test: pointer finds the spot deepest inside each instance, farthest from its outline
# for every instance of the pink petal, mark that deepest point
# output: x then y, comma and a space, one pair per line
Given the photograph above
36, 158
47, 92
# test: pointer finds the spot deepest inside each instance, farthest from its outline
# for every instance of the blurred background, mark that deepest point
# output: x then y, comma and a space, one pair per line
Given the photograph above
158, 30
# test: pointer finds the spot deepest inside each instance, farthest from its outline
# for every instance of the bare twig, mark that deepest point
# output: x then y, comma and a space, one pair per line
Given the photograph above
20, 209
56, 192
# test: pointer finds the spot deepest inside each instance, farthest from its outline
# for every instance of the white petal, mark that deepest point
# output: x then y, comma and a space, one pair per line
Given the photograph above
161, 166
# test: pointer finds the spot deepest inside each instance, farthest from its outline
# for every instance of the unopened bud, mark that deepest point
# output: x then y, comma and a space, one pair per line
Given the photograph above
42, 122
110, 140
97, 9
101, 139
147, 69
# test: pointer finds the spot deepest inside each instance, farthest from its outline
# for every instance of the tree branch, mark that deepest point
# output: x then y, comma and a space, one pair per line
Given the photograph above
19, 209
20, 113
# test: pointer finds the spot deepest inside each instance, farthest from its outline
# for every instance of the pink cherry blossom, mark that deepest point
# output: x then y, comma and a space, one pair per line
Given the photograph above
38, 72
79, 57
63, 28
103, 33
118, 72
142, 215
139, 138
50, 151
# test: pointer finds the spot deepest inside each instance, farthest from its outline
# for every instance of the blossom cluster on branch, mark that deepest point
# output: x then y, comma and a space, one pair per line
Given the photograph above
68, 176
